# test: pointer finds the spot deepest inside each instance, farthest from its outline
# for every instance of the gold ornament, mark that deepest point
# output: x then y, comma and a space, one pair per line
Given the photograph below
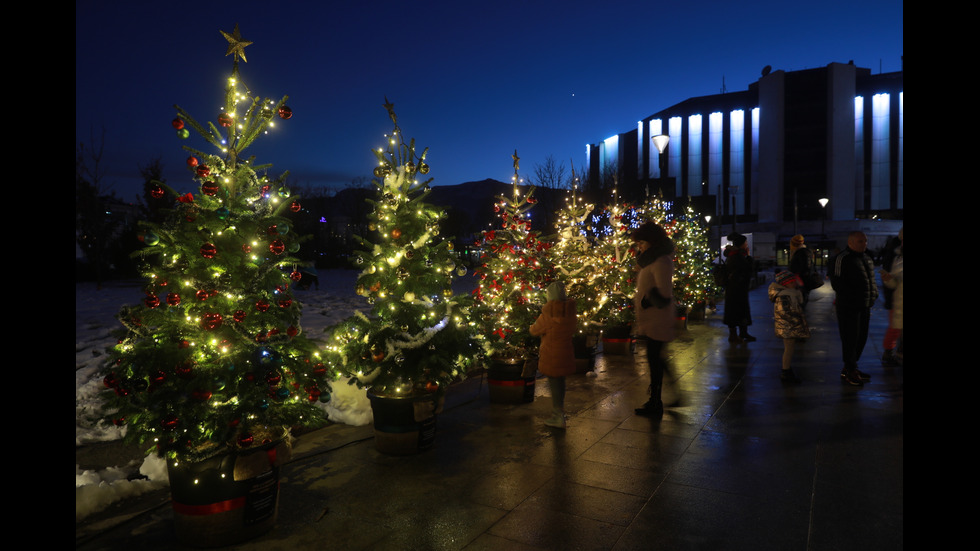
423, 168
236, 45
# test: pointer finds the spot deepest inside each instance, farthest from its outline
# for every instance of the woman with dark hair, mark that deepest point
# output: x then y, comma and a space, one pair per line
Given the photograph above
654, 306
738, 265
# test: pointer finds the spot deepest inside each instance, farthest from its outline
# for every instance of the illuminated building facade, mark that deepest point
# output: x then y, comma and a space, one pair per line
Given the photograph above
763, 158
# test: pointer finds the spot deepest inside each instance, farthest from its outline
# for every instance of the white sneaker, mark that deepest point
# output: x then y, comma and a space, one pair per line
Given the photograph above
557, 420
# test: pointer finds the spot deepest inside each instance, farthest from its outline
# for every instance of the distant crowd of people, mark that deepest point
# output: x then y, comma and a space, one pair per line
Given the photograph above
851, 273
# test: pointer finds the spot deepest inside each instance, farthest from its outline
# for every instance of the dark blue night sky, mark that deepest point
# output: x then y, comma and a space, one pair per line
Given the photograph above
473, 81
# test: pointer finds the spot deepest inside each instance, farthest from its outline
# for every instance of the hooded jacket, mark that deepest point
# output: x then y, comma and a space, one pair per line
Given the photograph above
653, 300
556, 326
790, 323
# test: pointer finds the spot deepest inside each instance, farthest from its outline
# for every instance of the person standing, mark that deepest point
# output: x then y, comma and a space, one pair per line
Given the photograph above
801, 263
739, 268
556, 356
893, 253
790, 322
853, 279
653, 302
894, 279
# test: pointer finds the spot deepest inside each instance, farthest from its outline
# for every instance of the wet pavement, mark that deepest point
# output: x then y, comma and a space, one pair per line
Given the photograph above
748, 462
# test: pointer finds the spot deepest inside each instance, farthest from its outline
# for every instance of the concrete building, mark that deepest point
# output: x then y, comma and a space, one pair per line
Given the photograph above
761, 160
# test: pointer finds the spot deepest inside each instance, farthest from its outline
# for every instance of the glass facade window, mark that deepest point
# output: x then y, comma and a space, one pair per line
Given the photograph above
694, 137
736, 163
859, 151
715, 153
674, 153
880, 152
901, 150
656, 129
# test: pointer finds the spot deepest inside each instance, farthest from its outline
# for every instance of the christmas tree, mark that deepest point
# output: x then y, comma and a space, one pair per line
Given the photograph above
571, 254
693, 281
613, 257
417, 337
213, 358
513, 273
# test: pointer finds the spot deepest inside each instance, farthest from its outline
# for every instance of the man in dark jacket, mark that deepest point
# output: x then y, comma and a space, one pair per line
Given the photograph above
853, 278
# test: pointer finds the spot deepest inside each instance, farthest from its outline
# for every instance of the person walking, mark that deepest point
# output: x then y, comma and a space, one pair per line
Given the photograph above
556, 356
852, 277
653, 302
790, 322
894, 280
739, 267
891, 276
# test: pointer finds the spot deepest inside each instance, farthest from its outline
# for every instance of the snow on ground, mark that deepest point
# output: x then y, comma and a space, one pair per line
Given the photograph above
95, 309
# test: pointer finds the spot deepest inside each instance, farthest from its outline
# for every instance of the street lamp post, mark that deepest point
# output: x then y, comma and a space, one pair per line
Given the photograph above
660, 142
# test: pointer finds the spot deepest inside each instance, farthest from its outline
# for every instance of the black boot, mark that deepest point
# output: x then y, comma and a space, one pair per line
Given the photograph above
744, 334
654, 408
733, 336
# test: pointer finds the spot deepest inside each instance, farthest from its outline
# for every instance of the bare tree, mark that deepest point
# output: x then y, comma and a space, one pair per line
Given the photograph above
95, 225
551, 175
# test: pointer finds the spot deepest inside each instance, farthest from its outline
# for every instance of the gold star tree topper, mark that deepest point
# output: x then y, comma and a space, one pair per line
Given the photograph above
236, 45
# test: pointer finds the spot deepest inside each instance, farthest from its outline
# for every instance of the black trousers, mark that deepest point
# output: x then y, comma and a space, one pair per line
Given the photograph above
853, 326
657, 365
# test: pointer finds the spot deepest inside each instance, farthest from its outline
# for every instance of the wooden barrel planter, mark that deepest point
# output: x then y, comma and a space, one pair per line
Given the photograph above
511, 380
405, 425
616, 340
229, 498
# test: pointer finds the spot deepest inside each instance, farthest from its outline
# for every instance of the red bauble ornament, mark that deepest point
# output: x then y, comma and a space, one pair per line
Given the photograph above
295, 207
158, 378
273, 378
271, 230
211, 321
202, 295
262, 305
173, 299
396, 233
192, 161
246, 248
295, 276
225, 120
201, 395
239, 316
119, 422
292, 331
285, 302
208, 250
169, 422
431, 386
185, 370
177, 123
277, 246
285, 112
184, 343
151, 301
245, 440
111, 380
313, 393
319, 370
209, 188
156, 192
203, 171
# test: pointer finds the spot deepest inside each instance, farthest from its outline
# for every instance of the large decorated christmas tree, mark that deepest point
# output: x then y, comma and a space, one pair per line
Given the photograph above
693, 282
212, 358
574, 263
513, 274
417, 337
613, 257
